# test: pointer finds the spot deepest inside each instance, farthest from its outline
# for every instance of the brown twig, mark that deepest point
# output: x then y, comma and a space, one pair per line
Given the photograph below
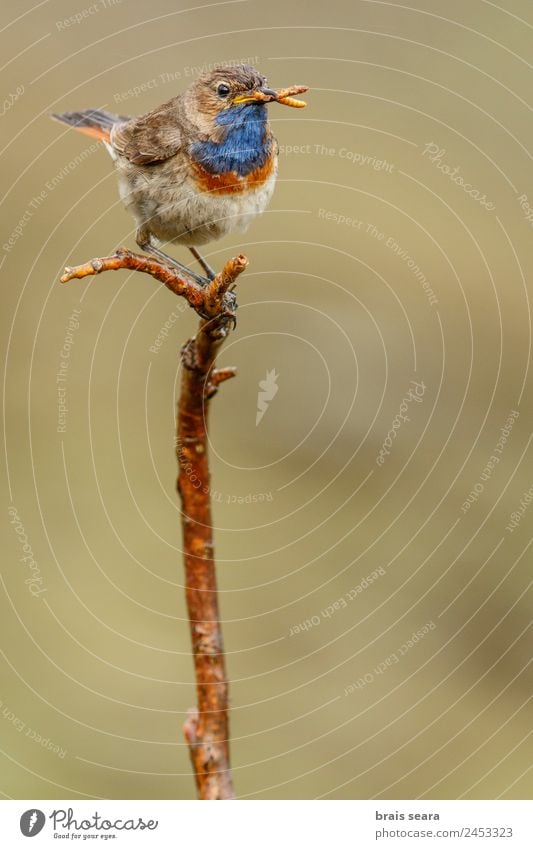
206, 729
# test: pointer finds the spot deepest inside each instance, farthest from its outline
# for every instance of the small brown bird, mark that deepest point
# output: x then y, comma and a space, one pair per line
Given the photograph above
200, 166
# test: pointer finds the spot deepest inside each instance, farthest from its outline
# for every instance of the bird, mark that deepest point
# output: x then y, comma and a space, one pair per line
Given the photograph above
198, 167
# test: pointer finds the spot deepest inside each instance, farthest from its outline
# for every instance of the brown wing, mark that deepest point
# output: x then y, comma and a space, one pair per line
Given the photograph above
153, 137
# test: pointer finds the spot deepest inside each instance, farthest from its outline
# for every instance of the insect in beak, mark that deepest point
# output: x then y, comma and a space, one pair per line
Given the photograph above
269, 95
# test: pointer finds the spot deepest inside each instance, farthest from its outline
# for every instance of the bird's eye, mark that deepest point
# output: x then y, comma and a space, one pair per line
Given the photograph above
223, 90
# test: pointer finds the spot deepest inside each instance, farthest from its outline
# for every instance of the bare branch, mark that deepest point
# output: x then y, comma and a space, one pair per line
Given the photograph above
207, 727
207, 300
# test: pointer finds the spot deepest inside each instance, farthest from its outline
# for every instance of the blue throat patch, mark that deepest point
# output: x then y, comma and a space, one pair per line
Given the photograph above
245, 146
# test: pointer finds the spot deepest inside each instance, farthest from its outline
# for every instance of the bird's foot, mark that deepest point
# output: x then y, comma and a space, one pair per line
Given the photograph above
173, 263
205, 265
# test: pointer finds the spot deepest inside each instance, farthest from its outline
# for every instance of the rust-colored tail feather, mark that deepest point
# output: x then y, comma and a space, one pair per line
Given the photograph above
93, 122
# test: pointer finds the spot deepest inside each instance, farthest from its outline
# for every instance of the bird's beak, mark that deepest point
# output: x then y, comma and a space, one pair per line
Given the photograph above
269, 92
268, 95
265, 95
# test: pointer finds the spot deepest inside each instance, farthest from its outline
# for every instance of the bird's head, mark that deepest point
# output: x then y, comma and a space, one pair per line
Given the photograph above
230, 95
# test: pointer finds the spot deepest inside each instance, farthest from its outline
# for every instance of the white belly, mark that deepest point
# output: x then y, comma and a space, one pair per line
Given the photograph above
202, 217
179, 213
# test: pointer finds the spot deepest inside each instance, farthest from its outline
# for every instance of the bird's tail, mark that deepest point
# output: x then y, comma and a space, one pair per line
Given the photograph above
93, 122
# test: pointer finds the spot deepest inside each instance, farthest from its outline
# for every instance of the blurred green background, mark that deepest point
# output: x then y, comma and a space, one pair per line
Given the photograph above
331, 555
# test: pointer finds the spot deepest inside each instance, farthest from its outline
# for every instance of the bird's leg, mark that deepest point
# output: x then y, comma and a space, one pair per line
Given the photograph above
147, 245
205, 265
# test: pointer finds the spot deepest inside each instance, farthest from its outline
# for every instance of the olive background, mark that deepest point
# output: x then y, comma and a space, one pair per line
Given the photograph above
329, 558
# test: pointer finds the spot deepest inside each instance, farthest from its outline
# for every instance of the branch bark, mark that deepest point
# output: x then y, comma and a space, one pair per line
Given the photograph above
206, 729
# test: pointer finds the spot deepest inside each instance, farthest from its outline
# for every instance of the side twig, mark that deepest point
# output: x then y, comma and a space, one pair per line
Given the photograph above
207, 727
